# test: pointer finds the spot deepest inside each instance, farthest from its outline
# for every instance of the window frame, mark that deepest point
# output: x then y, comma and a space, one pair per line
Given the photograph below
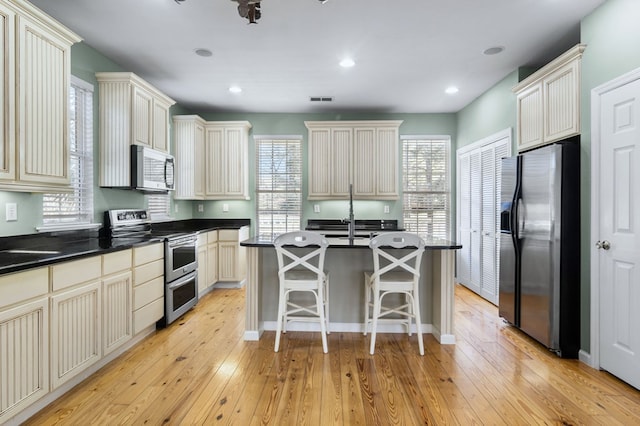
260, 212
447, 193
84, 116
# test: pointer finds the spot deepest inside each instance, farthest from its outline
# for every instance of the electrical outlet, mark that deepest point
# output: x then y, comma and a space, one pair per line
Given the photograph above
386, 208
316, 208
225, 208
175, 208
12, 212
200, 208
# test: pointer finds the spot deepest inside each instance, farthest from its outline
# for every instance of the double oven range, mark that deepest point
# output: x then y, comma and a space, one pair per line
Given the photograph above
180, 257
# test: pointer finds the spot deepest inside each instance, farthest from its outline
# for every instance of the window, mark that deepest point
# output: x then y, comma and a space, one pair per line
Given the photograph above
426, 186
158, 206
75, 208
278, 184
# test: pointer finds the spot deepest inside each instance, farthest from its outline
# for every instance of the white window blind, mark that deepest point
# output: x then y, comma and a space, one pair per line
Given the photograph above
426, 186
158, 206
278, 185
76, 207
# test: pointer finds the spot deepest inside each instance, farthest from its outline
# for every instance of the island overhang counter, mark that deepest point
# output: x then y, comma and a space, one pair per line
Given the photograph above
345, 261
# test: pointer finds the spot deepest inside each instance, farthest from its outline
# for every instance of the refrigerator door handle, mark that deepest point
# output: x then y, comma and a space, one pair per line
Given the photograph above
519, 217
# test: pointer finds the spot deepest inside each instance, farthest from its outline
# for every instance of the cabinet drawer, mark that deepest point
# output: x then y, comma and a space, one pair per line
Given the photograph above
228, 235
148, 292
148, 272
148, 253
148, 315
21, 286
202, 239
115, 262
212, 237
71, 273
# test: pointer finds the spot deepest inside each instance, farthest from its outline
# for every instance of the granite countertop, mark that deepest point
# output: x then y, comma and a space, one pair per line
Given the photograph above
22, 252
358, 242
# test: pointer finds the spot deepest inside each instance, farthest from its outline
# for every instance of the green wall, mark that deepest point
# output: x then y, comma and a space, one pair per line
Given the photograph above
612, 36
491, 112
293, 124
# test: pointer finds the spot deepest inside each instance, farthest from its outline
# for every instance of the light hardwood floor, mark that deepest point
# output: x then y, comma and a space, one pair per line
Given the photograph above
200, 371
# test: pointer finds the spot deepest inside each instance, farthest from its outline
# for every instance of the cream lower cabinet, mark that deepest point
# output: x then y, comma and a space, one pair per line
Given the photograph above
232, 258
148, 286
24, 340
34, 154
207, 261
91, 312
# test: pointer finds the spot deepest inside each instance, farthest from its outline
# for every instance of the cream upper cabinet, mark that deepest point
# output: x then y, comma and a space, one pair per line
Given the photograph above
226, 160
548, 101
330, 151
364, 153
375, 162
132, 112
36, 66
189, 157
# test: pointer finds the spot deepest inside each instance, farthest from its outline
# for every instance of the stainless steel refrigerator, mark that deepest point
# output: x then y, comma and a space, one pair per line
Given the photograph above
540, 245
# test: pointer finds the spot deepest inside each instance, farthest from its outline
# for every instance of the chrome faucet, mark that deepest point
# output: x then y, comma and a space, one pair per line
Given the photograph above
350, 220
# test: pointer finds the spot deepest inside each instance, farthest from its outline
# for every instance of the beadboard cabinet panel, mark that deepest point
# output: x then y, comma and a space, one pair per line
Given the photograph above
548, 101
117, 310
362, 153
24, 355
227, 162
75, 331
34, 153
132, 112
189, 155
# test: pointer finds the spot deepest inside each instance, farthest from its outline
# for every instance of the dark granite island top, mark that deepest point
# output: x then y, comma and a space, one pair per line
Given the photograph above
357, 242
346, 260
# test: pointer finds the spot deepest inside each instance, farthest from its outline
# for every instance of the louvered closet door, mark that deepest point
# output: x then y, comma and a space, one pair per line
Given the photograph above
463, 264
475, 198
479, 174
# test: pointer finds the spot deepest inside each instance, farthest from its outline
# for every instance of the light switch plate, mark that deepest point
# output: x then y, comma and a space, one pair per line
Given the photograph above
316, 208
12, 212
225, 207
200, 208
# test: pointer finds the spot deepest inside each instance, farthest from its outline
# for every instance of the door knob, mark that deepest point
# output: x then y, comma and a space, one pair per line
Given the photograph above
605, 245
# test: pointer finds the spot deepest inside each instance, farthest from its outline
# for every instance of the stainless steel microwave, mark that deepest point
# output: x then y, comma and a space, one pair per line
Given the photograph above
151, 170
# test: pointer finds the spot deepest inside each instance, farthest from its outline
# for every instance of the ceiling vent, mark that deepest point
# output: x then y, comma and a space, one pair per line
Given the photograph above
321, 99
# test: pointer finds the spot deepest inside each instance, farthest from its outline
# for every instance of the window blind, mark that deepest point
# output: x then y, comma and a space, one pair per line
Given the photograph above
76, 207
158, 206
278, 185
426, 187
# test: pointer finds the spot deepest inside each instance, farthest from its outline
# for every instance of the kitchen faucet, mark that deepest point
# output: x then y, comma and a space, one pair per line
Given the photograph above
350, 220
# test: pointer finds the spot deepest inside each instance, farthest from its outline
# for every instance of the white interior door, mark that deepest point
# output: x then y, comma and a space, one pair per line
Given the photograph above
618, 236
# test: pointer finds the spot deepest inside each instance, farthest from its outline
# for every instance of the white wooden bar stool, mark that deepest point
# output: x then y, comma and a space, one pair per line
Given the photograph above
303, 273
395, 272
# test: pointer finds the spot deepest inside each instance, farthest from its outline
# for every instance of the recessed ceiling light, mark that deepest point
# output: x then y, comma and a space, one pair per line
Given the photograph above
203, 52
493, 50
347, 63
235, 89
451, 90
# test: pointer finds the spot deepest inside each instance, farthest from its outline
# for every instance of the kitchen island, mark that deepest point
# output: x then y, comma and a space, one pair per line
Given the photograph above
346, 260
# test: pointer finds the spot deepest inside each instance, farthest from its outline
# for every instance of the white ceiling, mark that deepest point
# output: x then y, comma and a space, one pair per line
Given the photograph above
406, 51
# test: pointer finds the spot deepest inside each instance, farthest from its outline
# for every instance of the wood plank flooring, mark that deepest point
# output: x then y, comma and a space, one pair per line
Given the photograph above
200, 371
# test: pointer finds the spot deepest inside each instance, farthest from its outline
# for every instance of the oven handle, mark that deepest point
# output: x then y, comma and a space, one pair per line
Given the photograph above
181, 281
191, 242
